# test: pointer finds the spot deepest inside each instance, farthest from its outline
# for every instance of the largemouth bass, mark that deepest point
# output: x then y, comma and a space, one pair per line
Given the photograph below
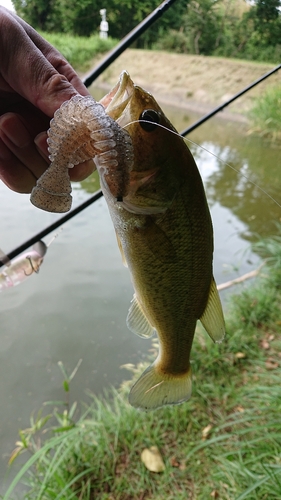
165, 236
159, 210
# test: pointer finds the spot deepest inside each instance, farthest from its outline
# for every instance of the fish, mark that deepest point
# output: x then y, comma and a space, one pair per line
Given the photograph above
20, 268
163, 226
165, 235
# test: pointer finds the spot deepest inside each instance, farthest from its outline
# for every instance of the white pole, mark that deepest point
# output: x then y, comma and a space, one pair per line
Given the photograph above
103, 24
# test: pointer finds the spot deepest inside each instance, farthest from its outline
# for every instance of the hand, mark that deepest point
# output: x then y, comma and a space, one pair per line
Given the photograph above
35, 80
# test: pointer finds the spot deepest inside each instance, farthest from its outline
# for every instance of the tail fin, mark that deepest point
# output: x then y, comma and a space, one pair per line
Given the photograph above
153, 390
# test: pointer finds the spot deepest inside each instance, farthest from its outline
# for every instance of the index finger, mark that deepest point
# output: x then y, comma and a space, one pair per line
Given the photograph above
33, 68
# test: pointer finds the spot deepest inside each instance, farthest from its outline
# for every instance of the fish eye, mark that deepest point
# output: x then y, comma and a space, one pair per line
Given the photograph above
151, 118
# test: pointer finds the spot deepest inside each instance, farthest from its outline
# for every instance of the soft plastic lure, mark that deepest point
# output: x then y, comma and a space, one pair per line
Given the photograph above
81, 130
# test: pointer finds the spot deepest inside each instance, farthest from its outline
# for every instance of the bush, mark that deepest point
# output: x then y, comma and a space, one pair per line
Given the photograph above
173, 41
79, 50
230, 427
266, 114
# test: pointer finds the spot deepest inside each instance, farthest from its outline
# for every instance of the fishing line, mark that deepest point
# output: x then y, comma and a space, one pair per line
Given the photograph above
127, 40
54, 237
4, 258
209, 152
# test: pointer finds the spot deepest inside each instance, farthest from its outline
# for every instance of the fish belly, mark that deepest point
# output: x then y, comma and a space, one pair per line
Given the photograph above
170, 260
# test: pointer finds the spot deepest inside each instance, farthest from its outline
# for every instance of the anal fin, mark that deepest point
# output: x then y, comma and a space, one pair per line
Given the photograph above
137, 322
212, 318
121, 250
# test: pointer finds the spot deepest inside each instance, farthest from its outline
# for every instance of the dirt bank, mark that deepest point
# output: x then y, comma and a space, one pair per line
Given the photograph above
197, 83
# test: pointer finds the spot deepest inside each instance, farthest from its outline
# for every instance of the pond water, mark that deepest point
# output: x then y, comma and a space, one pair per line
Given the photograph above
76, 307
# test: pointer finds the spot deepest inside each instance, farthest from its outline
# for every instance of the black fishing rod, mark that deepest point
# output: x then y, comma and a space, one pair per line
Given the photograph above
128, 40
27, 244
88, 80
99, 194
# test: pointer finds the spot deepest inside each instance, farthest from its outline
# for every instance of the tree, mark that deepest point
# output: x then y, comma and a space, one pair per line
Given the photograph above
35, 12
82, 17
124, 15
267, 22
202, 25
267, 10
79, 17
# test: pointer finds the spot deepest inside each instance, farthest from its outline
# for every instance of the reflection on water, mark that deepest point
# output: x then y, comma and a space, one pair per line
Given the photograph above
244, 173
76, 307
248, 186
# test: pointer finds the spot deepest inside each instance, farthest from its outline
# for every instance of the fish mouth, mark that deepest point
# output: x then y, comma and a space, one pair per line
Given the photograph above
116, 101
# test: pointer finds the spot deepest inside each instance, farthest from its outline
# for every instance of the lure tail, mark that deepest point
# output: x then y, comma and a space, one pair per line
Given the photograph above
154, 389
53, 190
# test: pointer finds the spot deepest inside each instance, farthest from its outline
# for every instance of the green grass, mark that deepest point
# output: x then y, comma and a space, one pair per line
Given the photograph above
78, 50
224, 443
266, 114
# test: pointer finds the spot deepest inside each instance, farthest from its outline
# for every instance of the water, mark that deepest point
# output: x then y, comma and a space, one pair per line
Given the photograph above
76, 307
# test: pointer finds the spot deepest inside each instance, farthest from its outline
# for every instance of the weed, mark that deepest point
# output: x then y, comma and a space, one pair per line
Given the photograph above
78, 50
224, 443
266, 114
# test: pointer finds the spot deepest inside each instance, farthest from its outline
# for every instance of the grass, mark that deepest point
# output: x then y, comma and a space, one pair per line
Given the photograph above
78, 50
223, 444
266, 114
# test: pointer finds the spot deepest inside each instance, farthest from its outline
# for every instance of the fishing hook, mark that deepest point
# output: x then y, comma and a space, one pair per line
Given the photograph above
32, 267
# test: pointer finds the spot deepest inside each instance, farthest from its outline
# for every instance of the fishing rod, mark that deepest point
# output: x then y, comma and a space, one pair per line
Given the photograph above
88, 80
99, 194
133, 35
37, 237
128, 40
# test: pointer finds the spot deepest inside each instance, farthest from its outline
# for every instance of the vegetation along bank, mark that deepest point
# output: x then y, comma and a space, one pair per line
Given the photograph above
228, 28
223, 444
193, 82
231, 426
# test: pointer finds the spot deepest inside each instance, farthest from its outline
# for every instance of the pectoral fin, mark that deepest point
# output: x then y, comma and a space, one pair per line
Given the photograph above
121, 250
212, 318
137, 322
